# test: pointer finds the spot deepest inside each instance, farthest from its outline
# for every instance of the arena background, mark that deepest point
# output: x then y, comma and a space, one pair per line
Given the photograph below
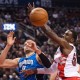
63, 14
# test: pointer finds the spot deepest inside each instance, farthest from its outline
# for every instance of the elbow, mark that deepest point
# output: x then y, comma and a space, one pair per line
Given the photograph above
1, 62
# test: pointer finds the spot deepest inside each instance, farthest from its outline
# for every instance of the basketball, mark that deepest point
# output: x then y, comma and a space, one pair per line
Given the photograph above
38, 16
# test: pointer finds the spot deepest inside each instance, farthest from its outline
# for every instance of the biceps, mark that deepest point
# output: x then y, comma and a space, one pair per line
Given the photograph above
9, 64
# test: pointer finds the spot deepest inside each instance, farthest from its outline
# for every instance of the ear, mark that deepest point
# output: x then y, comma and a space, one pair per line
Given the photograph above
72, 40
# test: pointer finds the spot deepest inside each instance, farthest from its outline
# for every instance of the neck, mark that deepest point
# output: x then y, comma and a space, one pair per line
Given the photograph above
71, 42
29, 54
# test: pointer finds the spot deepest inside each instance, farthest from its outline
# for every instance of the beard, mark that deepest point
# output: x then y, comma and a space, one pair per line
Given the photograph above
28, 51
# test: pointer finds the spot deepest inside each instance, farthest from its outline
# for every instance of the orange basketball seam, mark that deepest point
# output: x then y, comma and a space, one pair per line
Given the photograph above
39, 19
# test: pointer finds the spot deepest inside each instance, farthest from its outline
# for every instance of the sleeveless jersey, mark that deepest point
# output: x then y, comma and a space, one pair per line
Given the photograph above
28, 63
67, 65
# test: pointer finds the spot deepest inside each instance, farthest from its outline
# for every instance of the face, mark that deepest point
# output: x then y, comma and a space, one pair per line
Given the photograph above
68, 36
27, 45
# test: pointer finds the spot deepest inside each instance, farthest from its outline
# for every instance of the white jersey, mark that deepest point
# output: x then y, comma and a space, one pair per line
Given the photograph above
67, 65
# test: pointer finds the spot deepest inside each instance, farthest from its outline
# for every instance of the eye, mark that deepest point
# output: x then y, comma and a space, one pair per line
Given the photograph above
66, 33
24, 44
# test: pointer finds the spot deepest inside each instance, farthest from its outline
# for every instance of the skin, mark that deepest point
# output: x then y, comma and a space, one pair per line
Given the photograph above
7, 48
30, 47
53, 76
62, 42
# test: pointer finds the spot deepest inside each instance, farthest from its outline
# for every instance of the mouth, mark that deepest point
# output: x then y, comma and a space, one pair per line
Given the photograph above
28, 51
62, 35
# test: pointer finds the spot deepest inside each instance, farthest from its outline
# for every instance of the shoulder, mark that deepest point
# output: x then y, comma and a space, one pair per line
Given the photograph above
38, 59
19, 59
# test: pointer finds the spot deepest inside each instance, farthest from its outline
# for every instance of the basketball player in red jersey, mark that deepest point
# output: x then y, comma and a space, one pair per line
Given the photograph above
65, 57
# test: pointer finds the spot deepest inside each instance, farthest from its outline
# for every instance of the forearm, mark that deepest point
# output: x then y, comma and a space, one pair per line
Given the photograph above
40, 71
45, 61
4, 53
50, 70
44, 71
51, 34
46, 29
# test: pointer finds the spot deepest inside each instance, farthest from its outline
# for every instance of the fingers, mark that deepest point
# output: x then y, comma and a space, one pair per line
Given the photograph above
25, 72
11, 33
33, 4
22, 71
14, 38
28, 8
25, 75
31, 43
29, 5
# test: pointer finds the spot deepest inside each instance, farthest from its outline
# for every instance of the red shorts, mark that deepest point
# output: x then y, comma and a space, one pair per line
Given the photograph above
71, 78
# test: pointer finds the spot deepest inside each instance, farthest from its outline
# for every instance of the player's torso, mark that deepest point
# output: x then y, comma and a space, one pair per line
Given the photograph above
67, 65
29, 63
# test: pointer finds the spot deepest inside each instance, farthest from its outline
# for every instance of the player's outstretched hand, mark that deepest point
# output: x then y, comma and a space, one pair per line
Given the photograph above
27, 72
10, 38
32, 44
30, 7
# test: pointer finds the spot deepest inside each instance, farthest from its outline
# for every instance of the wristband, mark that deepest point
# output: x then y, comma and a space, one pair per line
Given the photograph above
45, 60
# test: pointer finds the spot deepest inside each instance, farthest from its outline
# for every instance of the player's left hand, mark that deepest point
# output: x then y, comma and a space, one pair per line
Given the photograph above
30, 7
10, 38
32, 44
27, 72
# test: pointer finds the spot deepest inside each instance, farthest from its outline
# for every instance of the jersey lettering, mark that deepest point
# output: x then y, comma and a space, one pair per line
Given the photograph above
26, 62
74, 60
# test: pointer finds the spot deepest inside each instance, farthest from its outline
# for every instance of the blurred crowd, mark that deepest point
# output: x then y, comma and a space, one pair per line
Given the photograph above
60, 19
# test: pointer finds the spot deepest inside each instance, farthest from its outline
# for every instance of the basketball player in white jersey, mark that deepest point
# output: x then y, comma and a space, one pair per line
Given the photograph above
65, 57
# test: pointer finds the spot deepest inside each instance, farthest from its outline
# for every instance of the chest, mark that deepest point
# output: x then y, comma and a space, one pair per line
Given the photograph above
60, 58
26, 62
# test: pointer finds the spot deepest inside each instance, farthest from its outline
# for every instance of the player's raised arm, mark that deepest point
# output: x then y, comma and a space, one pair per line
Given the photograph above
30, 7
45, 61
50, 33
10, 63
10, 42
50, 70
54, 37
